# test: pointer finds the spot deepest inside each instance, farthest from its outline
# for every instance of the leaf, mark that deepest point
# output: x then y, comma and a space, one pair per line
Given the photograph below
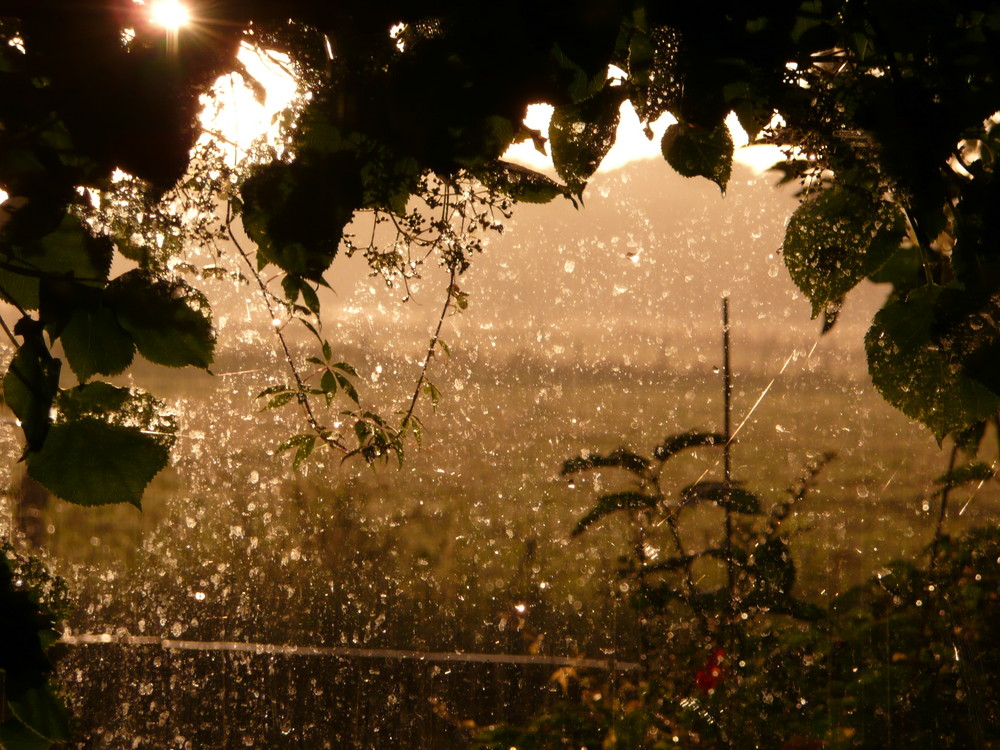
90, 462
619, 458
348, 388
170, 321
40, 710
774, 567
14, 735
967, 474
344, 367
272, 389
677, 443
695, 152
520, 183
31, 383
95, 344
280, 400
581, 135
328, 382
724, 495
611, 503
836, 239
296, 212
328, 351
916, 374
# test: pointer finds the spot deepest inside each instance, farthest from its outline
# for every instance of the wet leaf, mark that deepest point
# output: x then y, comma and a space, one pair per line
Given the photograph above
581, 135
915, 374
620, 458
686, 440
169, 321
95, 344
835, 240
90, 462
615, 502
967, 474
724, 495
695, 152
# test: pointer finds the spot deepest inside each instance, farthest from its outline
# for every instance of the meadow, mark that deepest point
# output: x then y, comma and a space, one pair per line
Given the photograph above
466, 547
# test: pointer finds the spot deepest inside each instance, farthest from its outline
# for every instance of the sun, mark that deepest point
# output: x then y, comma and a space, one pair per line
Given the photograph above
170, 14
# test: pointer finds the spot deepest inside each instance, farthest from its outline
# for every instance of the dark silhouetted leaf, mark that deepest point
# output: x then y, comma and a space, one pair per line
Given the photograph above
835, 240
170, 321
696, 152
522, 184
31, 383
725, 496
90, 462
677, 443
620, 458
581, 135
974, 472
95, 344
914, 373
40, 710
611, 503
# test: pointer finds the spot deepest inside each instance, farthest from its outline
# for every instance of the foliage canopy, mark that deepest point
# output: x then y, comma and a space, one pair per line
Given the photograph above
886, 111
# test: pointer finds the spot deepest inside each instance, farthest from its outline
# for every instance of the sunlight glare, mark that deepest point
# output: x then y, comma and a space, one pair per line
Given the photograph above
170, 14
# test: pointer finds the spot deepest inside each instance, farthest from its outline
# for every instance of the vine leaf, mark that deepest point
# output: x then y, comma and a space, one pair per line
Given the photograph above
95, 344
619, 458
611, 503
696, 152
91, 462
916, 372
31, 383
835, 240
169, 321
522, 184
724, 495
676, 443
581, 135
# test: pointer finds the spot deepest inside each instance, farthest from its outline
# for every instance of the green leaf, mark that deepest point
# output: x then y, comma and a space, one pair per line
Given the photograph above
296, 212
348, 388
615, 502
619, 458
838, 238
773, 566
582, 134
272, 389
280, 400
344, 367
724, 495
328, 352
328, 382
90, 462
95, 344
14, 735
695, 152
916, 373
170, 321
31, 383
41, 711
684, 441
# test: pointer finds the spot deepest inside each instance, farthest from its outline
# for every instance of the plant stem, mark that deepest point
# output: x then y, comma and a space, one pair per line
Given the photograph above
430, 352
945, 492
727, 458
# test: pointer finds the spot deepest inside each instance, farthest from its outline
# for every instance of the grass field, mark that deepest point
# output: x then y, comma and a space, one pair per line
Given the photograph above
466, 547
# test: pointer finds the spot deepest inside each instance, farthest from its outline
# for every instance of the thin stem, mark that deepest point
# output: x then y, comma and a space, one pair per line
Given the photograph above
449, 296
727, 457
10, 333
301, 396
945, 492
688, 574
